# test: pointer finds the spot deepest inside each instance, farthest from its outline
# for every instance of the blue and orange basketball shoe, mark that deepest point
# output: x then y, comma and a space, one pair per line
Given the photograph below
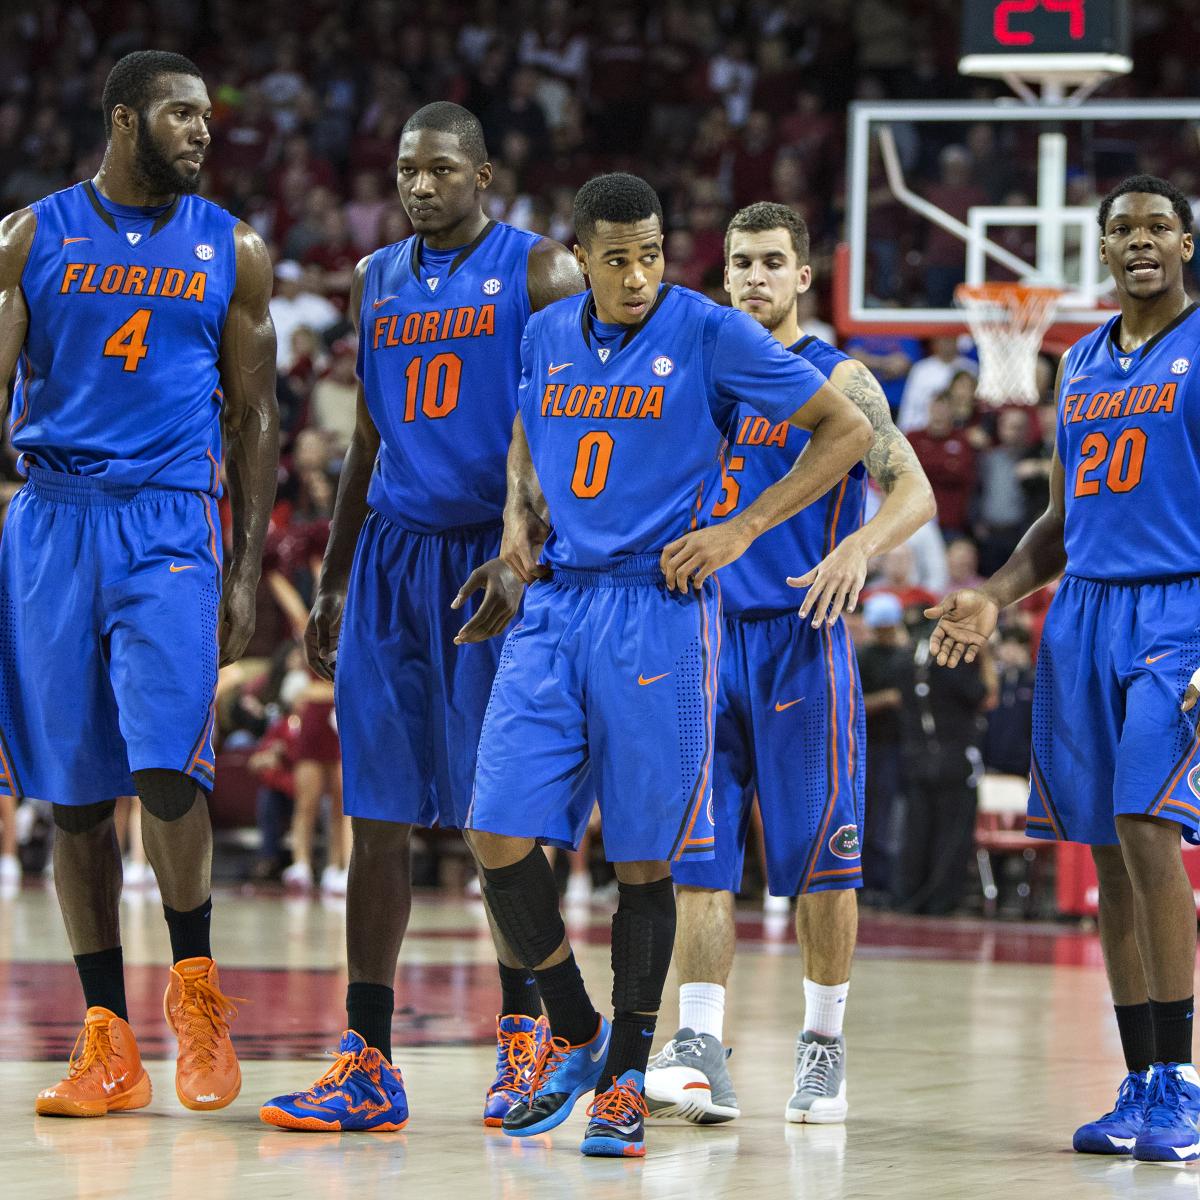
361, 1093
519, 1040
618, 1125
1169, 1132
1116, 1131
558, 1077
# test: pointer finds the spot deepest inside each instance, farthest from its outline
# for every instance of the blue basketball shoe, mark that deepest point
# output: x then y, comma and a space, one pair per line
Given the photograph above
362, 1092
561, 1074
1116, 1131
519, 1040
618, 1125
1169, 1132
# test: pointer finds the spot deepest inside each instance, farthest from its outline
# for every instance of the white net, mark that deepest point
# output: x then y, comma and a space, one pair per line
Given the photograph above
1008, 322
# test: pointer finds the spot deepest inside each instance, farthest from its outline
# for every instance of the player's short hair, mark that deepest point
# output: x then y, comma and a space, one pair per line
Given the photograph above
1155, 186
134, 78
619, 198
443, 116
758, 218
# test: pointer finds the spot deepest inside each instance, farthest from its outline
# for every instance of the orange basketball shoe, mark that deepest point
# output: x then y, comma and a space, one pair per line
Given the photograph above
207, 1074
105, 1076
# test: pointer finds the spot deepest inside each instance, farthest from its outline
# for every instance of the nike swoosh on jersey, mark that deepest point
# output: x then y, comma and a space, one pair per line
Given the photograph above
1152, 659
554, 368
783, 707
642, 680
1077, 379
378, 303
68, 241
186, 567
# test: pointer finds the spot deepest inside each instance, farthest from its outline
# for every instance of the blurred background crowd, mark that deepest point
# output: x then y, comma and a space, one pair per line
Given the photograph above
719, 104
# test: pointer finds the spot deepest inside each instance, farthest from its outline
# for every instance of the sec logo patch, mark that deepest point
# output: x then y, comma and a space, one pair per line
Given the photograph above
204, 252
844, 842
1180, 366
662, 366
491, 286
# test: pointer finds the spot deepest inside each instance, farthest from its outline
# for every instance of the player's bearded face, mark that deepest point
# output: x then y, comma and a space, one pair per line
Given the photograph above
763, 277
158, 164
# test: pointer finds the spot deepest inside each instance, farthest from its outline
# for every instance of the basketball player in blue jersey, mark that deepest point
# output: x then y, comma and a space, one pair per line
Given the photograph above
607, 688
135, 316
1116, 763
440, 318
788, 695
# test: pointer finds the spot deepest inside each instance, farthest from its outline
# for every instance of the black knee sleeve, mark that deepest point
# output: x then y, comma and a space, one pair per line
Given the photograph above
523, 899
83, 818
167, 795
643, 936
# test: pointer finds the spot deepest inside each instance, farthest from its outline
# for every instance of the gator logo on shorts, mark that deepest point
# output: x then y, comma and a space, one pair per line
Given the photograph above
1194, 780
844, 842
712, 820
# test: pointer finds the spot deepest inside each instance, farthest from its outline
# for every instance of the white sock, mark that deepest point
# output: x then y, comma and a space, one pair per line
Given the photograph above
824, 1007
702, 1008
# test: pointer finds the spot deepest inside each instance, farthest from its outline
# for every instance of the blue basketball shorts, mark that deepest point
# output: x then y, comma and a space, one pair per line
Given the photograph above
409, 702
605, 692
109, 602
790, 730
1108, 736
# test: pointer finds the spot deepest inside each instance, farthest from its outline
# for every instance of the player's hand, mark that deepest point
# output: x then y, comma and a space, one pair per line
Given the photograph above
321, 632
1192, 694
521, 544
237, 615
833, 584
699, 554
965, 621
502, 592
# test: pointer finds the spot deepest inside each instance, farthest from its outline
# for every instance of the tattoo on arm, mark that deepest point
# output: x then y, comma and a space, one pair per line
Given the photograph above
890, 455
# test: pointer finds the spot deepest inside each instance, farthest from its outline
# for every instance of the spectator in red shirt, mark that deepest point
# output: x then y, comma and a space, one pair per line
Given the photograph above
950, 462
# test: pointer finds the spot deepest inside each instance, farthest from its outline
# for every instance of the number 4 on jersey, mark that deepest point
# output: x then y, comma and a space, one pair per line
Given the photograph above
129, 342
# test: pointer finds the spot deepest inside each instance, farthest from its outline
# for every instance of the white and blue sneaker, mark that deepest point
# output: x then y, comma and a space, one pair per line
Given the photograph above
1169, 1131
560, 1074
1116, 1131
617, 1128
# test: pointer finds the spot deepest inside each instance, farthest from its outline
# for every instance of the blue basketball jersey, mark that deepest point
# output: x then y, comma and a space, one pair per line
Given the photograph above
439, 358
761, 454
119, 377
1129, 441
627, 439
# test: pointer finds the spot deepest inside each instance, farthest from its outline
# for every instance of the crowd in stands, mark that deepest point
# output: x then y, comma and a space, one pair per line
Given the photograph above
718, 104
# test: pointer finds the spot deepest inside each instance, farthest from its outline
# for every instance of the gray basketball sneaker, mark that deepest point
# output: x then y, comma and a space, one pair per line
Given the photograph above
820, 1095
688, 1078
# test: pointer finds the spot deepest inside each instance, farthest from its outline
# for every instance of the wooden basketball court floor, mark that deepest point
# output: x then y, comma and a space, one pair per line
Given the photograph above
974, 1050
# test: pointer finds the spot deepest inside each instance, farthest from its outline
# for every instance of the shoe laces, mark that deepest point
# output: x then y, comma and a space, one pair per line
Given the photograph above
1166, 1098
814, 1071
553, 1054
1131, 1094
673, 1051
345, 1064
97, 1050
207, 1012
620, 1104
517, 1053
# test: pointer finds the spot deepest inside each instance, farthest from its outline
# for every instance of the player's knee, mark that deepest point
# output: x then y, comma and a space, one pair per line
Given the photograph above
523, 899
643, 935
166, 795
83, 818
379, 839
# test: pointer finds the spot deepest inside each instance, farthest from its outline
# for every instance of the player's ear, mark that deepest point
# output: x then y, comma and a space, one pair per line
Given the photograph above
1103, 250
803, 279
725, 280
581, 256
1189, 247
483, 177
124, 118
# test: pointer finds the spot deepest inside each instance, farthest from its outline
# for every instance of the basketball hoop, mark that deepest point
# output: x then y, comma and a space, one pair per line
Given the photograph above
1008, 322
